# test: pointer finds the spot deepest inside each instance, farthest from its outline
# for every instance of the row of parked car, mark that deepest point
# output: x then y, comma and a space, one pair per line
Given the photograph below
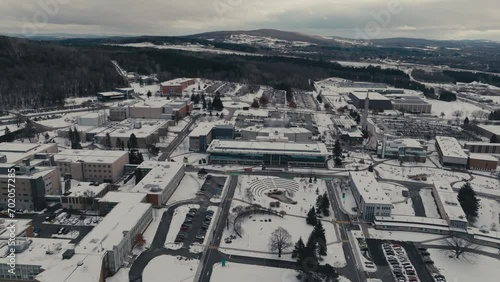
402, 269
427, 260
188, 223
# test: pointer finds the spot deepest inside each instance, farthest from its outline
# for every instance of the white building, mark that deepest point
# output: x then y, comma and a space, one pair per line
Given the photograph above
115, 235
450, 152
93, 119
448, 205
293, 134
370, 197
402, 149
161, 181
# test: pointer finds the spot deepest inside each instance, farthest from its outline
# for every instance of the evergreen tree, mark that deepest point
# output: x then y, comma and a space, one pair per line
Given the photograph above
264, 100
192, 97
149, 94
77, 136
71, 136
196, 99
466, 121
319, 202
469, 202
107, 142
311, 217
210, 105
29, 130
138, 176
337, 153
494, 139
119, 144
298, 249
203, 101
8, 138
309, 261
325, 205
319, 98
255, 104
132, 142
217, 104
319, 236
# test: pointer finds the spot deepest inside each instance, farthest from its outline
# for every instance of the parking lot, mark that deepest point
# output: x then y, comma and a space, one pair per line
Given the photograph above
400, 260
197, 221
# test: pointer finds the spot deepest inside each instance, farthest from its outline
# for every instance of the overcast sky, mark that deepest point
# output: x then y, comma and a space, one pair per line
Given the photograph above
436, 19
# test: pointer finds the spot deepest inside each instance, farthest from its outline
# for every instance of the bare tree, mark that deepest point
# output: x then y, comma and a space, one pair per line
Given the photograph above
459, 246
476, 114
458, 114
280, 240
442, 114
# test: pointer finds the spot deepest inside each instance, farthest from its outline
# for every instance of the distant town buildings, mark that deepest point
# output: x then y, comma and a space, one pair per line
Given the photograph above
175, 87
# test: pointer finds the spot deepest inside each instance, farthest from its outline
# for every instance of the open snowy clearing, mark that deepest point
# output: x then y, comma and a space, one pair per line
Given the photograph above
190, 184
448, 108
256, 234
178, 269
478, 268
489, 215
254, 188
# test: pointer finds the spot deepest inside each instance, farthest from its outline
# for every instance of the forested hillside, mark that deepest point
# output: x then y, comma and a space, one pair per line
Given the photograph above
34, 74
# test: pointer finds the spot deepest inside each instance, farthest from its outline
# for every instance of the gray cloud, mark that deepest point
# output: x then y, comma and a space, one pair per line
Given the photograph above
440, 19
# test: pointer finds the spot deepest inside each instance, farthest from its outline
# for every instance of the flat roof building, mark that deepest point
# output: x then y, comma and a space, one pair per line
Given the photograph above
293, 134
370, 197
450, 152
92, 165
146, 131
175, 87
15, 153
83, 195
448, 205
268, 153
160, 182
376, 102
111, 96
402, 149
482, 148
489, 130
410, 104
482, 162
205, 132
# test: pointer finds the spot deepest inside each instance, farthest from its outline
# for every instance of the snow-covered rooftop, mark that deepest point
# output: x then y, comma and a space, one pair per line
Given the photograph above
290, 148
361, 95
90, 156
203, 129
123, 197
368, 188
448, 199
484, 157
408, 143
43, 252
176, 81
86, 189
81, 267
158, 178
494, 129
450, 147
125, 128
109, 233
282, 130
111, 93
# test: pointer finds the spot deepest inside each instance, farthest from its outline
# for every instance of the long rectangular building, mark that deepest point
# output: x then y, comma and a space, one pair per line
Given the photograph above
448, 205
450, 152
268, 153
370, 197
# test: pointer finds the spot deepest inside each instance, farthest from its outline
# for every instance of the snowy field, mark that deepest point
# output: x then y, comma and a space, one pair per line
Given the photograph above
448, 108
251, 273
478, 268
482, 185
177, 269
144, 89
431, 209
190, 184
187, 47
256, 234
175, 225
254, 188
489, 213
403, 173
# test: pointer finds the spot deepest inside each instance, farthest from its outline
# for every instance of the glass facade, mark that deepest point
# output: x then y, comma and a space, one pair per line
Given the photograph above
267, 159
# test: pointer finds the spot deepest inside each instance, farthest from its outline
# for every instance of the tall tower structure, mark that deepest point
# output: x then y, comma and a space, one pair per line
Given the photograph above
364, 121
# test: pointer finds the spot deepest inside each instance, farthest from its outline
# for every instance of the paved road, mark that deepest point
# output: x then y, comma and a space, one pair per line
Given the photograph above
167, 152
212, 255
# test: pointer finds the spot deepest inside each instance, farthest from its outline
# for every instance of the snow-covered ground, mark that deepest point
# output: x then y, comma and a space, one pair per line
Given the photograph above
489, 215
256, 234
477, 268
431, 209
171, 269
251, 273
254, 188
403, 173
190, 184
175, 225
145, 88
150, 232
448, 108
187, 47
120, 276
482, 185
400, 204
